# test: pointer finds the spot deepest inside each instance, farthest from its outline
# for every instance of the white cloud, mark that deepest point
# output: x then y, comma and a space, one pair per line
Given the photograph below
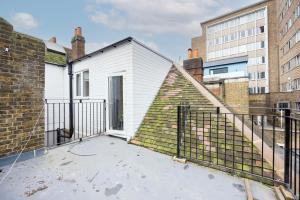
24, 21
155, 16
93, 46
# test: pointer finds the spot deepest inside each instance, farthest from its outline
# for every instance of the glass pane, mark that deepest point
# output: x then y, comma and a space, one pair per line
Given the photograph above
86, 88
116, 103
78, 85
86, 84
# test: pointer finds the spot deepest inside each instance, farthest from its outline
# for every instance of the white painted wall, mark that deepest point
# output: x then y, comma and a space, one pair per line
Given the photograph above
112, 62
55, 79
56, 84
149, 72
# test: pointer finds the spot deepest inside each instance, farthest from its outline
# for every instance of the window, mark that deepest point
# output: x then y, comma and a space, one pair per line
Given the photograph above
261, 14
233, 36
219, 70
250, 32
297, 12
242, 34
86, 84
78, 84
225, 25
298, 59
243, 19
225, 38
289, 23
262, 90
263, 59
262, 75
82, 84
283, 105
251, 76
251, 90
262, 44
296, 84
261, 29
297, 106
298, 36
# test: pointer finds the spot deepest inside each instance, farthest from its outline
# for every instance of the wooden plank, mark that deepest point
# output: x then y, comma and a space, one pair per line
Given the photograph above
248, 189
278, 194
181, 160
287, 194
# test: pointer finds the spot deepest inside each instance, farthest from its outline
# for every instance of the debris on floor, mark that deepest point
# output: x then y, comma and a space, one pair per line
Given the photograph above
33, 191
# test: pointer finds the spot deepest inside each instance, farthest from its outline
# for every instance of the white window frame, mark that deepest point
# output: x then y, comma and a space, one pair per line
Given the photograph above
281, 102
81, 84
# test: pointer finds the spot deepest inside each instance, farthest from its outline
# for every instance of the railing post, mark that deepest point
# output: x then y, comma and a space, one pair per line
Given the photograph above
178, 130
104, 115
287, 146
70, 73
218, 110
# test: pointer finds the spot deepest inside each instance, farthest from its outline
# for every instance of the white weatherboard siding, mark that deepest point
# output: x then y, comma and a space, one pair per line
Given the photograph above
149, 72
143, 73
54, 81
113, 62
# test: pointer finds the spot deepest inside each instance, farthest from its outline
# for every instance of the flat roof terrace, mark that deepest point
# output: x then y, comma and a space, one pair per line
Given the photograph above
108, 168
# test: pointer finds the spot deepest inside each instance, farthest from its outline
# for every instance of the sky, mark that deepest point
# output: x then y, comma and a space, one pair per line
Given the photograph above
164, 25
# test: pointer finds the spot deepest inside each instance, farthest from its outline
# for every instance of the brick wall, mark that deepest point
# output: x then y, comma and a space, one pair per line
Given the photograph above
21, 88
236, 94
259, 104
233, 92
273, 50
194, 67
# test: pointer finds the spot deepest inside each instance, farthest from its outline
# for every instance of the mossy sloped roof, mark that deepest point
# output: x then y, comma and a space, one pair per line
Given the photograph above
55, 58
158, 130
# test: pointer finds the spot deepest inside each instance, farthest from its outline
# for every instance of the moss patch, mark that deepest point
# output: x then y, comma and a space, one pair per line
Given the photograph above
55, 58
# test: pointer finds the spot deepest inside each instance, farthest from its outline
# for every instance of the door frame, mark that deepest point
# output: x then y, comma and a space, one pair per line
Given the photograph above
118, 133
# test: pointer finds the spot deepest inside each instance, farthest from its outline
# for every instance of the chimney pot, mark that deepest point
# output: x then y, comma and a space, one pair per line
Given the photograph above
78, 31
190, 53
195, 53
53, 39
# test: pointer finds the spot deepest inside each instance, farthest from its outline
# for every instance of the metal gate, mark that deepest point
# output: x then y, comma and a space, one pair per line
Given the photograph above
67, 121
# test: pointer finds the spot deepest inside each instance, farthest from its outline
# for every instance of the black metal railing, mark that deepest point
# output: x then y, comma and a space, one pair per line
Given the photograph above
253, 146
67, 121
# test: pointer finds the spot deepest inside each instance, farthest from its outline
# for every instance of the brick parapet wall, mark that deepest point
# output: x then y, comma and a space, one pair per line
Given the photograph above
233, 92
236, 95
22, 72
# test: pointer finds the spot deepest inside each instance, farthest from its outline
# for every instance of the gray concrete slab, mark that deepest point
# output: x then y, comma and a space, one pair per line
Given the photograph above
109, 168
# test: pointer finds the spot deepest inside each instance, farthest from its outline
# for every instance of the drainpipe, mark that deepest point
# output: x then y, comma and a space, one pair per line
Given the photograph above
70, 73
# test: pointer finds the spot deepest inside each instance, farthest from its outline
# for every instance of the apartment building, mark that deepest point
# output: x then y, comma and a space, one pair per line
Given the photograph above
289, 54
241, 43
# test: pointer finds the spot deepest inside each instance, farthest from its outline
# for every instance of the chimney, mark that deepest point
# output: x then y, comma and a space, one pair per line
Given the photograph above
194, 66
190, 53
78, 44
53, 39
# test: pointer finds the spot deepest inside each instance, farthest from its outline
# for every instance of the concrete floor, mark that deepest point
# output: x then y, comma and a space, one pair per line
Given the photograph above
109, 168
